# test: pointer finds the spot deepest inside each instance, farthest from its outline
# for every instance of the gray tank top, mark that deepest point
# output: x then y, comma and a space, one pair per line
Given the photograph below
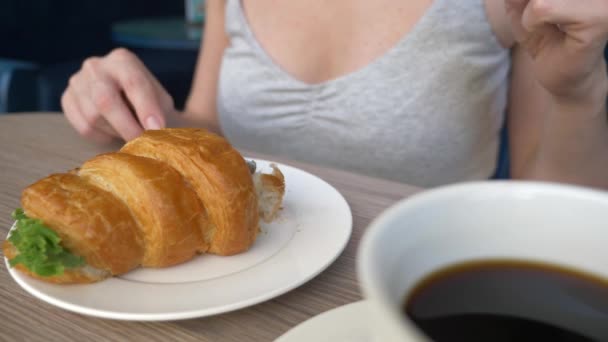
427, 112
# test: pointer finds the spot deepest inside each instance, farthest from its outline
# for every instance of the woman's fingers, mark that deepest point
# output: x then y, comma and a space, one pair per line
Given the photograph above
105, 127
96, 88
117, 96
566, 39
137, 83
589, 13
562, 26
88, 111
588, 18
108, 101
76, 118
546, 12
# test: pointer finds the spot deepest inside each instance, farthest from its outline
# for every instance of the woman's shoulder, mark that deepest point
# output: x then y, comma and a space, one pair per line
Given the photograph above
499, 20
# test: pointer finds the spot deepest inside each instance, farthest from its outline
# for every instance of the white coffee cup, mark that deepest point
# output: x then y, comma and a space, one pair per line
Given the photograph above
539, 222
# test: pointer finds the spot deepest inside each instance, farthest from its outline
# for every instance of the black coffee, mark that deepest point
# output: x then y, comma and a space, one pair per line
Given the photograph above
510, 301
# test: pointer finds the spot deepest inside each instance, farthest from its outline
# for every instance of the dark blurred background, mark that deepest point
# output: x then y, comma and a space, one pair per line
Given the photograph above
43, 42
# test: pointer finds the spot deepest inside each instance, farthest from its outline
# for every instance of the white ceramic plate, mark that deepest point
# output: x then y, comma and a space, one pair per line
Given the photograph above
309, 234
348, 323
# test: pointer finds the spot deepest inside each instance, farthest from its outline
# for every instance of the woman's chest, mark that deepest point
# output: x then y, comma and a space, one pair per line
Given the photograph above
433, 99
447, 64
317, 40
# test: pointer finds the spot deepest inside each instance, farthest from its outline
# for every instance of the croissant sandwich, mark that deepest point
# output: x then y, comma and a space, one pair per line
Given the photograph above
161, 200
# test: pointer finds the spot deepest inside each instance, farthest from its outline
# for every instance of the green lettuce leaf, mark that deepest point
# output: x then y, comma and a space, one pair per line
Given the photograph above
39, 247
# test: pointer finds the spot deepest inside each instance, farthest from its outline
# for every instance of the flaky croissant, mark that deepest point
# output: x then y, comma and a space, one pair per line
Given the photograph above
162, 199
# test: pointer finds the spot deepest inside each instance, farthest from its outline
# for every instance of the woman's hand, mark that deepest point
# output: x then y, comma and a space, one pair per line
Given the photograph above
115, 96
566, 40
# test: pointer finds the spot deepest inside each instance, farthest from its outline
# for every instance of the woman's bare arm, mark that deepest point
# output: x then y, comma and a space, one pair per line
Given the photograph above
200, 109
557, 113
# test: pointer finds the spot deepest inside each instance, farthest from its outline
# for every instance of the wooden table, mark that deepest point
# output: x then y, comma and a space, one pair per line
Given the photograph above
35, 145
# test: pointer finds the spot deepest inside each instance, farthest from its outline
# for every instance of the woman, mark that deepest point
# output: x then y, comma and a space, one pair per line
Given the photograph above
413, 91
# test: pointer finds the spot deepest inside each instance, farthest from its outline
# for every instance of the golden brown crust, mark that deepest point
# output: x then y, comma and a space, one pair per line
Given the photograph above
170, 217
91, 222
218, 174
170, 194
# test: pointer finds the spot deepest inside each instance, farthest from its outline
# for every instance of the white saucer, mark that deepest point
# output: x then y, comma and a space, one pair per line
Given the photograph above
342, 324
